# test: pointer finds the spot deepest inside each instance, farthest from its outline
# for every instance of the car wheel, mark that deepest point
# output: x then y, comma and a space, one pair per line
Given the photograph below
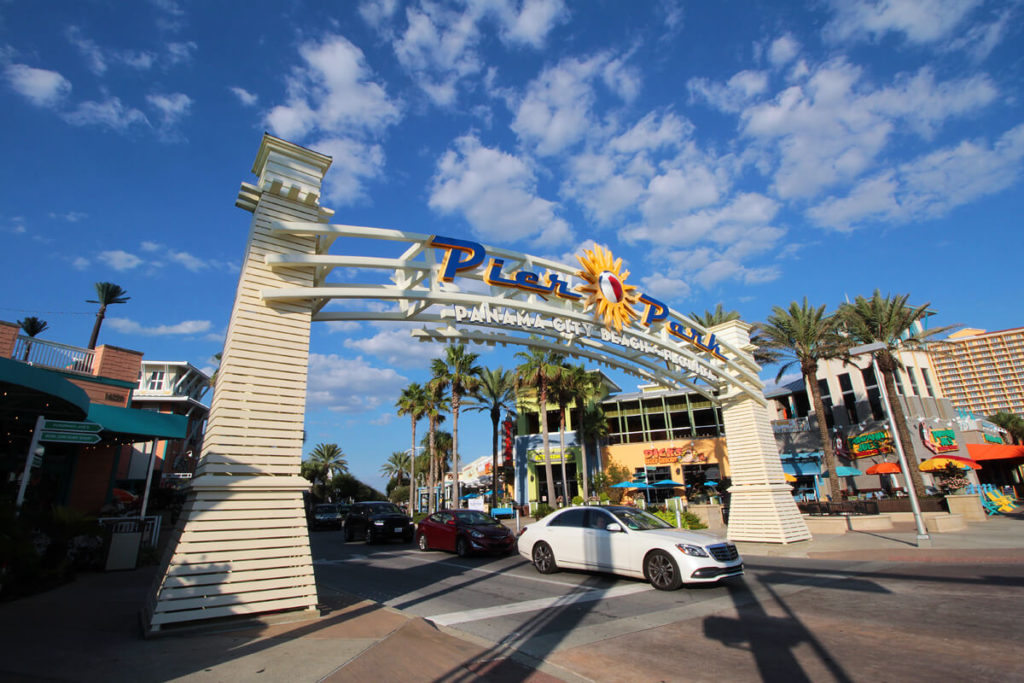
461, 547
544, 559
370, 537
662, 571
423, 543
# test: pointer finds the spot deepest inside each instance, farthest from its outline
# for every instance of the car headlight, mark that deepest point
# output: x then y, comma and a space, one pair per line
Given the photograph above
378, 522
692, 550
475, 534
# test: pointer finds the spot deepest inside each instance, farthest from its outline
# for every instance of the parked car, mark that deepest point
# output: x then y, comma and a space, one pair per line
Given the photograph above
377, 521
624, 540
464, 532
327, 516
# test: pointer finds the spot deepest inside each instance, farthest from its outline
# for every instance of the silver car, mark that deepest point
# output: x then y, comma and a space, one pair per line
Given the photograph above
629, 542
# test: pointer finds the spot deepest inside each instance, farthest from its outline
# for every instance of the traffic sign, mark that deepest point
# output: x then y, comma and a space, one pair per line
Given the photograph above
68, 437
71, 426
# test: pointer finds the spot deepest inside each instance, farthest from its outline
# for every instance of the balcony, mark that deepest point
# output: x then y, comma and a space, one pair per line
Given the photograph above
799, 424
48, 354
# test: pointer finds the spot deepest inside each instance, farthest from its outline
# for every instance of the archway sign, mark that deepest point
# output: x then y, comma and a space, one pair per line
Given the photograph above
241, 546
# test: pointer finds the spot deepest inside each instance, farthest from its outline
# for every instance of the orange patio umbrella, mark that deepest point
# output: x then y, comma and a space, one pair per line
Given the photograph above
884, 468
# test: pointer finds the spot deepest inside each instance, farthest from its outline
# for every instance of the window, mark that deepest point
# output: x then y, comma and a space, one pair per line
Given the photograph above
928, 382
913, 380
826, 400
572, 517
849, 400
874, 396
156, 381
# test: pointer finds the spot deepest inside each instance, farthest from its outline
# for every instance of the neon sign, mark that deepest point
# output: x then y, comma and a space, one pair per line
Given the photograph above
605, 291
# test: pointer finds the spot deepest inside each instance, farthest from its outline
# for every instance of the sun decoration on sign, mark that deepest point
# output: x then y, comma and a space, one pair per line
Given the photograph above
606, 288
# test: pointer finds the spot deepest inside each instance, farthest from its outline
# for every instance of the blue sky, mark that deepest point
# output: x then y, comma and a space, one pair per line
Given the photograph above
740, 153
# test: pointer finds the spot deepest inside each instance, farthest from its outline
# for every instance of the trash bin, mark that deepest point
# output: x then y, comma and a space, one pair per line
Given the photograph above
125, 541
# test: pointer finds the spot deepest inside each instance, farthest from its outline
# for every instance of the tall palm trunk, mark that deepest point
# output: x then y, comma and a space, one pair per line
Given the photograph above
583, 450
495, 419
455, 448
888, 367
547, 446
412, 469
810, 372
561, 436
432, 479
100, 314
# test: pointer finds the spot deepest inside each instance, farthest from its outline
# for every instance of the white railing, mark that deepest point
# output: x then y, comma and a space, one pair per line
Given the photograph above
128, 525
50, 354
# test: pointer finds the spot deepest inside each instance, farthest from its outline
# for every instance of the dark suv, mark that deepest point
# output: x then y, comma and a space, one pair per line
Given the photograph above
327, 516
377, 521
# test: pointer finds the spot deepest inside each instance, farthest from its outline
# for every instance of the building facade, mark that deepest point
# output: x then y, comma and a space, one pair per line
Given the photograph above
983, 372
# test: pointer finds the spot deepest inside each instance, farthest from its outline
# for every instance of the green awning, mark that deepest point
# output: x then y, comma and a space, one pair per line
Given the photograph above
28, 389
144, 424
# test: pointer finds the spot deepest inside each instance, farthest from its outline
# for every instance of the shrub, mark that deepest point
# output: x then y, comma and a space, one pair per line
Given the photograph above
688, 519
577, 500
542, 511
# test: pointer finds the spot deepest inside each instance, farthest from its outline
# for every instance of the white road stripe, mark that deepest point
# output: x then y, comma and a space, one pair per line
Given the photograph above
452, 618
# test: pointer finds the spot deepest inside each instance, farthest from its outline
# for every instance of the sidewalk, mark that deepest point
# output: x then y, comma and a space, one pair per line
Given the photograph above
88, 630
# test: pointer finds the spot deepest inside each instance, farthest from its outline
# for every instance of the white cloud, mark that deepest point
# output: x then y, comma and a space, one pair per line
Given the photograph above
668, 289
979, 40
119, 260
831, 129
94, 58
41, 87
186, 327
346, 384
172, 108
80, 263
376, 12
110, 113
333, 97
534, 21
70, 216
745, 212
244, 96
396, 346
555, 112
180, 53
733, 95
930, 186
496, 192
920, 21
188, 261
783, 50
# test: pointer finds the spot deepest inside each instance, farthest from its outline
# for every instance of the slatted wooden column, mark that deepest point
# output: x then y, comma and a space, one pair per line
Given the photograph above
761, 505
241, 546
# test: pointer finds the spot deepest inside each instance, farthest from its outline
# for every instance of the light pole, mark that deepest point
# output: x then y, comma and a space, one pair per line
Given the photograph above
923, 539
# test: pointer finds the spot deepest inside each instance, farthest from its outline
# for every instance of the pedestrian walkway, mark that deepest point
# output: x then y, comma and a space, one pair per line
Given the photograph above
88, 630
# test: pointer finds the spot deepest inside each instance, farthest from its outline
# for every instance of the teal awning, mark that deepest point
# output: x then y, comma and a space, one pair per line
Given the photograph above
145, 424
842, 471
801, 469
31, 390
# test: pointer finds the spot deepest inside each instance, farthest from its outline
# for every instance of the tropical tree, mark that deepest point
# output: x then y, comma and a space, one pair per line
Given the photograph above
458, 371
434, 409
562, 393
324, 462
537, 371
804, 335
588, 392
890, 321
412, 402
107, 293
1011, 422
715, 317
31, 326
396, 466
495, 394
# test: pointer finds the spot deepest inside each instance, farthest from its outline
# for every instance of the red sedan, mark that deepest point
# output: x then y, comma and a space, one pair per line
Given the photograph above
464, 532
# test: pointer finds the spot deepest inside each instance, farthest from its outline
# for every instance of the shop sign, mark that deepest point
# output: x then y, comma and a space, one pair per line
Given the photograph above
872, 443
992, 439
674, 454
537, 455
938, 440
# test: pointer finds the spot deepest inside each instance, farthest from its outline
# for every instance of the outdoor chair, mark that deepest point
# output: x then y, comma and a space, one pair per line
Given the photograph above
1003, 503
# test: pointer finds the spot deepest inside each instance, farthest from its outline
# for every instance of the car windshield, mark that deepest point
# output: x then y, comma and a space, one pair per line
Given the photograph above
638, 520
383, 508
475, 517
326, 509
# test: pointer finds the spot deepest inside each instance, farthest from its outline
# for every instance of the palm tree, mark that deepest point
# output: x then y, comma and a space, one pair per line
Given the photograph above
806, 335
587, 391
433, 409
1011, 422
107, 293
31, 326
715, 317
563, 393
495, 394
324, 458
396, 466
538, 369
412, 402
459, 371
889, 320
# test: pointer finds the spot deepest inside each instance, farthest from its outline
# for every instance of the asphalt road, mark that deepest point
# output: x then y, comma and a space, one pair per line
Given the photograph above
789, 618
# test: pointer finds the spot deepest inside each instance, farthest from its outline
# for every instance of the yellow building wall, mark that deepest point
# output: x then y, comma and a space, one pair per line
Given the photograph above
675, 453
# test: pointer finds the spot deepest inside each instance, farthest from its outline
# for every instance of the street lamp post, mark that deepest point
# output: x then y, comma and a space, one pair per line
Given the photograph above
923, 539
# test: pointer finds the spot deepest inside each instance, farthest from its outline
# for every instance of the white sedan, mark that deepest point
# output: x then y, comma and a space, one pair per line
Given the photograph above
630, 542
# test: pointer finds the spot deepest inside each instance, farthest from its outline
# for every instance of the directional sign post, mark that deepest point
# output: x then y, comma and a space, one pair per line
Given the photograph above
67, 431
71, 426
49, 436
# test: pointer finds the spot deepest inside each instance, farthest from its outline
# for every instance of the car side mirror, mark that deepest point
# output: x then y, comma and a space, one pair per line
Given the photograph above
451, 522
614, 526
